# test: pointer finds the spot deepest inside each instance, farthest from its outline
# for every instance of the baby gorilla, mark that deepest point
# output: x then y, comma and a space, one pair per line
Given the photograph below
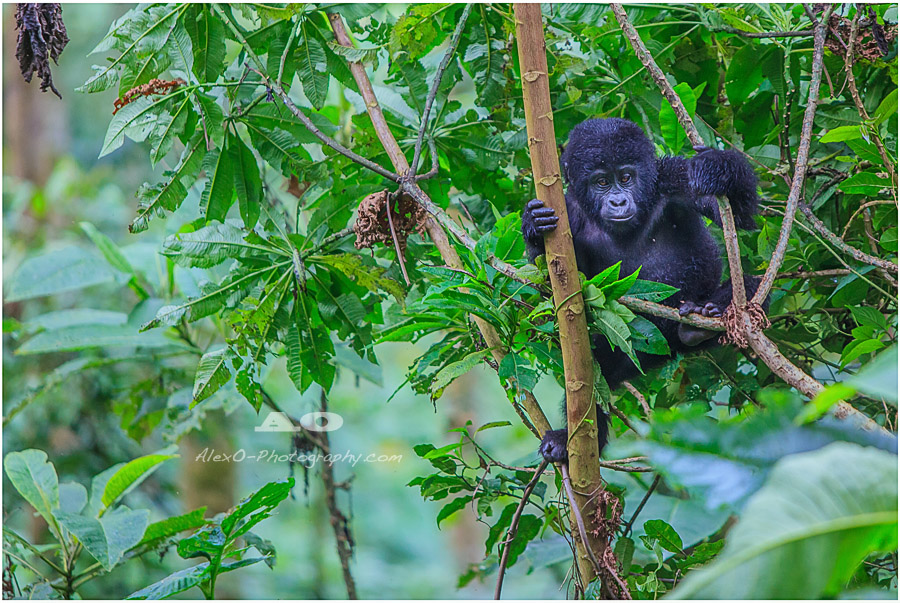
627, 205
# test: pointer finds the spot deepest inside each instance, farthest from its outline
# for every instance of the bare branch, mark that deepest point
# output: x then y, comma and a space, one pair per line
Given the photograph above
763, 34
438, 76
514, 526
835, 240
801, 165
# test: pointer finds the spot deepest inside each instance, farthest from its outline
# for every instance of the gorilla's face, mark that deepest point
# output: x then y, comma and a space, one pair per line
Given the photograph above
613, 191
611, 169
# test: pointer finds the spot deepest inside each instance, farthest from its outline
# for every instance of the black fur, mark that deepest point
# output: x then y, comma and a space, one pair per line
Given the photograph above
627, 205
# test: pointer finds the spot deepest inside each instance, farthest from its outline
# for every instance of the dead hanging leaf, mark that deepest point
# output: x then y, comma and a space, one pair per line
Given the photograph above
42, 36
734, 324
154, 86
372, 222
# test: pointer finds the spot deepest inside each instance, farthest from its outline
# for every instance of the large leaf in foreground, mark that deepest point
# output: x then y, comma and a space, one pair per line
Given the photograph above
805, 532
34, 476
108, 537
187, 578
63, 270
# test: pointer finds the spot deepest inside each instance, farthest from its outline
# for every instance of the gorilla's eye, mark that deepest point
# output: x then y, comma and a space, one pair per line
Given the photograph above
625, 178
602, 181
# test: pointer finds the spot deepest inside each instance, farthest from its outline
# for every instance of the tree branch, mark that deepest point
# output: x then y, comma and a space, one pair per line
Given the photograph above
437, 234
438, 76
801, 165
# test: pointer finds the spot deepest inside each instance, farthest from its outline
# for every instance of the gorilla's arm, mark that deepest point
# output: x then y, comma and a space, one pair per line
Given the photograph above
710, 173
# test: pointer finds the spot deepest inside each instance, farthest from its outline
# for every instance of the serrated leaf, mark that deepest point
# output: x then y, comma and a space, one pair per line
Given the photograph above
207, 34
212, 373
247, 183
211, 245
310, 56
218, 194
171, 526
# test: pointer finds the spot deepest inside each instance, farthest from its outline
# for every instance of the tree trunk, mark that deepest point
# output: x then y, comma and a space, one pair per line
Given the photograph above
581, 412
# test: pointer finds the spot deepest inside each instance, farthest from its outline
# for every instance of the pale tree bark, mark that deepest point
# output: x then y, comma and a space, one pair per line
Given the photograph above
560, 253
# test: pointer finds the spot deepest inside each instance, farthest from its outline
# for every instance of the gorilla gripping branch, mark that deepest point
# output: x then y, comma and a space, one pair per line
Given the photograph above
762, 345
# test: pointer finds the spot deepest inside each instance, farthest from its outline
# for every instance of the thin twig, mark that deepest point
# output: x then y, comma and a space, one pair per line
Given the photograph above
835, 240
514, 526
640, 397
438, 76
640, 506
860, 210
861, 109
339, 521
801, 165
802, 274
388, 203
579, 520
763, 34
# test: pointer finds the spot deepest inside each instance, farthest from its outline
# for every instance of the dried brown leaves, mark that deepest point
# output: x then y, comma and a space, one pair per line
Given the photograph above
42, 36
372, 223
154, 86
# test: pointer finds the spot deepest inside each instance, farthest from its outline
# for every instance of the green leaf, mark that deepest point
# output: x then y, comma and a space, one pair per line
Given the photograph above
207, 34
744, 74
247, 183
83, 337
843, 133
865, 183
108, 537
212, 373
136, 120
103, 79
181, 52
211, 245
455, 369
309, 349
646, 337
457, 504
616, 331
171, 526
167, 130
256, 507
218, 194
310, 57
887, 109
34, 477
665, 534
617, 289
110, 250
67, 269
367, 275
805, 532
671, 129
131, 475
184, 579
651, 291
168, 195
879, 376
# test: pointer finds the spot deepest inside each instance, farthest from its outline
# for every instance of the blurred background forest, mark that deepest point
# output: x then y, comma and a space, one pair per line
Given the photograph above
53, 181
81, 384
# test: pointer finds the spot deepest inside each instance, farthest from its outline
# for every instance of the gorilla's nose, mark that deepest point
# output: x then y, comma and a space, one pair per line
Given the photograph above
617, 200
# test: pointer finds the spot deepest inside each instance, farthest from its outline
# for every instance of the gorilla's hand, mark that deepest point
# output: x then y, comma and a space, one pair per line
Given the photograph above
718, 173
553, 446
537, 220
708, 309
